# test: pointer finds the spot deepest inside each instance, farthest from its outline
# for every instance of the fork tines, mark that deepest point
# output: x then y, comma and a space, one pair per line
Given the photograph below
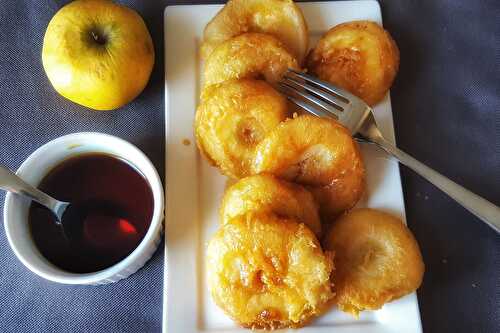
321, 98
323, 95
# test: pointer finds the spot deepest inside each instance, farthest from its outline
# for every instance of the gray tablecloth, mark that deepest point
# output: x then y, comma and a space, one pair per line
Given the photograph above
446, 102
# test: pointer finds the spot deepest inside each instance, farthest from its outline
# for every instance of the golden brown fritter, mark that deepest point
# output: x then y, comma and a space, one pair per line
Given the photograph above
318, 153
377, 260
281, 18
251, 55
232, 118
342, 195
267, 194
268, 272
359, 56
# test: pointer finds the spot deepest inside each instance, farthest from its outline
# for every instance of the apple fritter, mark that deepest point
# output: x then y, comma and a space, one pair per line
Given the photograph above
250, 55
280, 18
359, 56
268, 272
318, 153
232, 118
267, 194
377, 260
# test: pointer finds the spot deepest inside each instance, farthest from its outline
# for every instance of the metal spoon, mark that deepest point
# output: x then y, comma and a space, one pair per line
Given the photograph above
12, 183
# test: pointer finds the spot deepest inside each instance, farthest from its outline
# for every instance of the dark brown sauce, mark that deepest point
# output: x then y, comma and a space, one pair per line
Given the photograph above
96, 181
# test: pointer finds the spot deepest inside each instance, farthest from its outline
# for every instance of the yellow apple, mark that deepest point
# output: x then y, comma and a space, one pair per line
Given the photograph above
97, 53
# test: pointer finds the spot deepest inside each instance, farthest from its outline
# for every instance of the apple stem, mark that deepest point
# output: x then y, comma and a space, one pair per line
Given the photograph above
97, 37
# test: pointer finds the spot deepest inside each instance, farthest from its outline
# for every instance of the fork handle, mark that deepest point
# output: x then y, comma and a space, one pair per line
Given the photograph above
482, 208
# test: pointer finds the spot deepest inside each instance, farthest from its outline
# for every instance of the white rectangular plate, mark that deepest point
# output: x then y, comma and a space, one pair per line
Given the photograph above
194, 189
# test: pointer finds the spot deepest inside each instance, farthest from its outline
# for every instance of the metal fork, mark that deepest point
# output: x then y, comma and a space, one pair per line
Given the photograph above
325, 100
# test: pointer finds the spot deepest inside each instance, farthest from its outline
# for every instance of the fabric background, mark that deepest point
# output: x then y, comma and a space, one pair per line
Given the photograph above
446, 104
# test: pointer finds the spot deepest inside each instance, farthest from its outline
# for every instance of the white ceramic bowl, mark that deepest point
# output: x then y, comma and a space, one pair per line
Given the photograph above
38, 164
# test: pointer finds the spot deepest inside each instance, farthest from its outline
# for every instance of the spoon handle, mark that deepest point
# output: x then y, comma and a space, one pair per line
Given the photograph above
12, 183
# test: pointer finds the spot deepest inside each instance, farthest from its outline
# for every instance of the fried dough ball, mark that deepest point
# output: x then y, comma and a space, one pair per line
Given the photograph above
265, 193
232, 118
377, 260
281, 18
319, 153
268, 272
251, 55
359, 56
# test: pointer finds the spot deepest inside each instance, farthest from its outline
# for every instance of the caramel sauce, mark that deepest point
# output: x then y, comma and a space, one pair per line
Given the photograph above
118, 202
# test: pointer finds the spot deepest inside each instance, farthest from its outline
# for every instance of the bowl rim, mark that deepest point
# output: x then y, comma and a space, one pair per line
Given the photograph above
154, 228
